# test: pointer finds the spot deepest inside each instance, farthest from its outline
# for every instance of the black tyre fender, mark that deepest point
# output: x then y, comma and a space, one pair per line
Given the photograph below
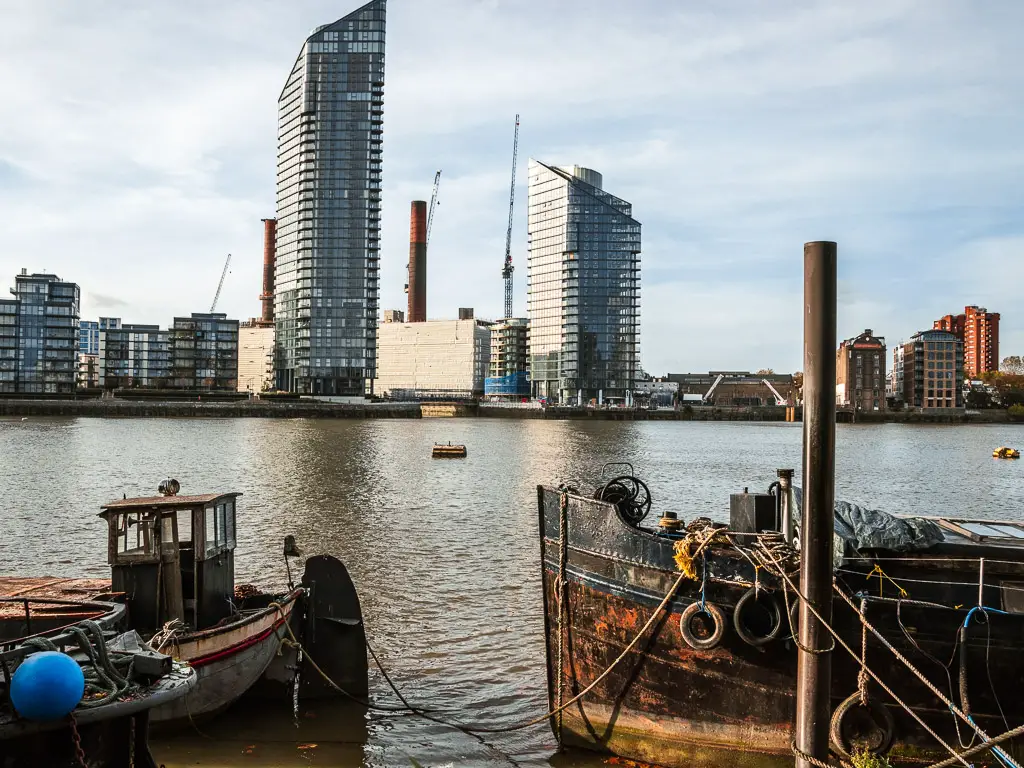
749, 599
717, 617
881, 717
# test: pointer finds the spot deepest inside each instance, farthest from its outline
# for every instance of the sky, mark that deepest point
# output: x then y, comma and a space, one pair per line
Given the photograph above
138, 149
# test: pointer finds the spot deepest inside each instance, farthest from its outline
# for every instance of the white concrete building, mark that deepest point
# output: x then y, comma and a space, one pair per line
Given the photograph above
255, 356
437, 358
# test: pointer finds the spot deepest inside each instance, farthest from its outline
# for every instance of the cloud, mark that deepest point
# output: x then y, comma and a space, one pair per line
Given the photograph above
101, 301
139, 149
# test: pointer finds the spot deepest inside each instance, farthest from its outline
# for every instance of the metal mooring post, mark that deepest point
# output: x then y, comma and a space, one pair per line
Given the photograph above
814, 670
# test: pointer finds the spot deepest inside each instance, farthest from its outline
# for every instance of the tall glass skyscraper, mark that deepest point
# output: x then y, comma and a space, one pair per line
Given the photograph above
330, 126
583, 276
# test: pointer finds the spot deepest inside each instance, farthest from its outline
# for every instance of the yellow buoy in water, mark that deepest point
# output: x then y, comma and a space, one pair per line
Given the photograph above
1005, 453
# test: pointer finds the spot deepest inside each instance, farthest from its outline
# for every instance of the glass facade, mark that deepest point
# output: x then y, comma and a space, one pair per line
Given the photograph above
39, 336
204, 352
135, 356
330, 126
583, 278
89, 334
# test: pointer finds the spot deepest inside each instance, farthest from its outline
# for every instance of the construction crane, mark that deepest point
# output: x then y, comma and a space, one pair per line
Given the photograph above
223, 274
506, 271
433, 201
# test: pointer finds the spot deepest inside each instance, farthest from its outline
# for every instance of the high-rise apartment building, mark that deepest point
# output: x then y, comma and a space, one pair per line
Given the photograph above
89, 333
583, 295
978, 329
330, 126
204, 352
39, 336
927, 371
134, 355
860, 372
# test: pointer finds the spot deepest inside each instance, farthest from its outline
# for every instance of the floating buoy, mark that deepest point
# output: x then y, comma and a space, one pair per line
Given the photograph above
448, 451
47, 686
1005, 453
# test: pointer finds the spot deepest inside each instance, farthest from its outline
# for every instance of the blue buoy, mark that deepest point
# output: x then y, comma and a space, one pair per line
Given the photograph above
47, 686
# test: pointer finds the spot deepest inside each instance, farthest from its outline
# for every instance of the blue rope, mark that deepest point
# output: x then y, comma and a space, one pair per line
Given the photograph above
984, 610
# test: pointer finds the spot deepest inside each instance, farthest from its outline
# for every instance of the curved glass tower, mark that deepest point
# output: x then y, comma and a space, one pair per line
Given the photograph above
330, 126
583, 274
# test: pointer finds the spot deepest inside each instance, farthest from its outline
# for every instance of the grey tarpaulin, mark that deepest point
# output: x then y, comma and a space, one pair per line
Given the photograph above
862, 528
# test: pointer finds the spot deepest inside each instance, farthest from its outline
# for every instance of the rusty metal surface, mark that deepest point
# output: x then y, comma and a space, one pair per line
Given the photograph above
735, 704
168, 501
814, 669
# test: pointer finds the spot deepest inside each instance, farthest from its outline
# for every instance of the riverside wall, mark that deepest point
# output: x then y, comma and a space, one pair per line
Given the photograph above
18, 408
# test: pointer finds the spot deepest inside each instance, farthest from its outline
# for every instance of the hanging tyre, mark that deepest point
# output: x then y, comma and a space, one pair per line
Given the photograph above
702, 627
857, 727
757, 618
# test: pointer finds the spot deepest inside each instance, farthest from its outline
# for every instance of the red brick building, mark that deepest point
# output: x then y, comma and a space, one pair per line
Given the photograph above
978, 329
860, 372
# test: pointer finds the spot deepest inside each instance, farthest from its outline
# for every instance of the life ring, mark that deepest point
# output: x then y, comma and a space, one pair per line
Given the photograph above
750, 599
881, 731
717, 618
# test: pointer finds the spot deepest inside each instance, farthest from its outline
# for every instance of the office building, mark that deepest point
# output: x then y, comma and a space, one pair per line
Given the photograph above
39, 336
927, 371
255, 356
433, 359
583, 275
330, 126
89, 333
860, 373
135, 355
394, 316
978, 329
509, 369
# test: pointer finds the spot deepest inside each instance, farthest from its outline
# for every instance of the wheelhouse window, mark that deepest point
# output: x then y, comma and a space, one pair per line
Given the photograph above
134, 534
220, 527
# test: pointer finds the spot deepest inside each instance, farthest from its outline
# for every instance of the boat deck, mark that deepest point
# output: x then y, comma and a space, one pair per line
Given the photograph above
39, 589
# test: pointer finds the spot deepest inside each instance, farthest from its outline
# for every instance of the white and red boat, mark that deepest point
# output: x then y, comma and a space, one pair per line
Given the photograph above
172, 558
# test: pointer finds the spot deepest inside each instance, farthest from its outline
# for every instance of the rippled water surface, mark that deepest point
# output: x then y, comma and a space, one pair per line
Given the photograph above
444, 552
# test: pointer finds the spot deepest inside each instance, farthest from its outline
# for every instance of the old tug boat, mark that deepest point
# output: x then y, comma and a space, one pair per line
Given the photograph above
674, 644
173, 558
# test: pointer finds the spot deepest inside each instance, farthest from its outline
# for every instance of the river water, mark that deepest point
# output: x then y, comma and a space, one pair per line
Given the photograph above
444, 553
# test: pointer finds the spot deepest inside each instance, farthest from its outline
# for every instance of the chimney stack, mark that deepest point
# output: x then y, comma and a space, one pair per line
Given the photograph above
417, 286
269, 258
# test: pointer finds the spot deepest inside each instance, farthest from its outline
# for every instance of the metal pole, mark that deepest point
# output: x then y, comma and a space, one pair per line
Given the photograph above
785, 491
814, 670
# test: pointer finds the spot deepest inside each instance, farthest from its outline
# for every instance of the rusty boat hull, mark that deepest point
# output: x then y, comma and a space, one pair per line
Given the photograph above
734, 705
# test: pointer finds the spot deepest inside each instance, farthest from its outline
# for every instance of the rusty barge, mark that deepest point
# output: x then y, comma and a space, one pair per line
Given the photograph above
711, 682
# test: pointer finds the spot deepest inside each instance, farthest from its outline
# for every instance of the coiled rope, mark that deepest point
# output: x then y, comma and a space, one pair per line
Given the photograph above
106, 677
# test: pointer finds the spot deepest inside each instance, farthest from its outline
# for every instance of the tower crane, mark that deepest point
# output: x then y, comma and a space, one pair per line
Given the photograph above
433, 201
223, 274
506, 271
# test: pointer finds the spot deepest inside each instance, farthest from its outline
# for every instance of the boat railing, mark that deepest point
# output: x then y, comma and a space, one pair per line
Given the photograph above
107, 615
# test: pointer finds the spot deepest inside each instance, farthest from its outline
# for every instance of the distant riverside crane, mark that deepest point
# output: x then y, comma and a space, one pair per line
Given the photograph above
433, 201
223, 274
506, 271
